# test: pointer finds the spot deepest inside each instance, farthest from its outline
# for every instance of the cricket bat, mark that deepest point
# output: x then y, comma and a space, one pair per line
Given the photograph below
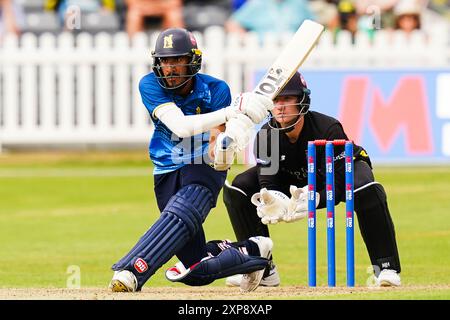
288, 62
291, 58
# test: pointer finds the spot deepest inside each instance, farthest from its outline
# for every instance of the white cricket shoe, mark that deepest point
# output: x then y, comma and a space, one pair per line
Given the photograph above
388, 278
123, 281
251, 281
271, 280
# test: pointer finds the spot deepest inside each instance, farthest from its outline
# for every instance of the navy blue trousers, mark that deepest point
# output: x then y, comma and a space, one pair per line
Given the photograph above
168, 184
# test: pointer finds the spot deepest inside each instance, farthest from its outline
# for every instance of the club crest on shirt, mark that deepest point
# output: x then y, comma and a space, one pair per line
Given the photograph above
198, 110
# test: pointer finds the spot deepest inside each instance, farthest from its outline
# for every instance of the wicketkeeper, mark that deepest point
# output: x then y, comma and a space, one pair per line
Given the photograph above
263, 195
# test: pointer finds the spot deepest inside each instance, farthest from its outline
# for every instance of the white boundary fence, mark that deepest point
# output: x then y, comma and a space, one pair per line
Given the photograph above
84, 89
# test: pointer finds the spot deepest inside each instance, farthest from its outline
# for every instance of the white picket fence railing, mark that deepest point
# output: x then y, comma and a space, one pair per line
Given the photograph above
84, 89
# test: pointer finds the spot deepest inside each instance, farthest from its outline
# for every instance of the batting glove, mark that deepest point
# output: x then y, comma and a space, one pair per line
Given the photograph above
223, 158
240, 130
253, 105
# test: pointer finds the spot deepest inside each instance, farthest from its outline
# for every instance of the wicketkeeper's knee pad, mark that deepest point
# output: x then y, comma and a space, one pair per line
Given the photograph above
229, 262
369, 196
377, 227
181, 219
242, 214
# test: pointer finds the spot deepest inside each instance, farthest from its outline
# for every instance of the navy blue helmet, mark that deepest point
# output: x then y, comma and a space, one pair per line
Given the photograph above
176, 42
297, 87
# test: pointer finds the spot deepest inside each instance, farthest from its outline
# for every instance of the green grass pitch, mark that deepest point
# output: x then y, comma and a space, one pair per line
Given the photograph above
87, 210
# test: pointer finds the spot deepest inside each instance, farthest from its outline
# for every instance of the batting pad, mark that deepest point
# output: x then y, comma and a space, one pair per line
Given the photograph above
229, 262
181, 219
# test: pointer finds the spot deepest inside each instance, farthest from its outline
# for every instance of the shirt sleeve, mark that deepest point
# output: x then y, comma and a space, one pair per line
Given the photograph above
152, 95
221, 97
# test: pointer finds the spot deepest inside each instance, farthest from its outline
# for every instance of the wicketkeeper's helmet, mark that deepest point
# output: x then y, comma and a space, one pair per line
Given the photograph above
296, 86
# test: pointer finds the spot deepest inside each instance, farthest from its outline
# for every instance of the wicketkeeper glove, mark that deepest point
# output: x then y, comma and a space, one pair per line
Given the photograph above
298, 204
274, 206
271, 205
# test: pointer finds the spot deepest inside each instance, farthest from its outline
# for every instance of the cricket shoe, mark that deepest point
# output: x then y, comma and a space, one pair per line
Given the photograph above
388, 278
271, 278
251, 281
123, 281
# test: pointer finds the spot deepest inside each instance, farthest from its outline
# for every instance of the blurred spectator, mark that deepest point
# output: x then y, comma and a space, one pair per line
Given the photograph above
379, 10
440, 6
326, 12
85, 6
348, 18
198, 15
269, 16
170, 12
236, 4
407, 13
11, 18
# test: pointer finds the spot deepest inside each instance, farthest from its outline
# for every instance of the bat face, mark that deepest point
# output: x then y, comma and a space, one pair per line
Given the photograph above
290, 59
271, 82
288, 62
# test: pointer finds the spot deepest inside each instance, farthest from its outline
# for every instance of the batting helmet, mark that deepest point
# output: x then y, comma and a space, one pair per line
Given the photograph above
176, 42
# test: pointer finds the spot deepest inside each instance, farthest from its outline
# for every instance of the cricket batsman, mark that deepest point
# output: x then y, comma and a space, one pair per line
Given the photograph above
189, 110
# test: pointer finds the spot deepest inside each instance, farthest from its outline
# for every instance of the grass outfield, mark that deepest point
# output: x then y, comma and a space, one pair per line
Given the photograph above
86, 210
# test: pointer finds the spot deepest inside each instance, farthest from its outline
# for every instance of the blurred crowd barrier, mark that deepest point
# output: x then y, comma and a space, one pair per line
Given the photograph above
65, 89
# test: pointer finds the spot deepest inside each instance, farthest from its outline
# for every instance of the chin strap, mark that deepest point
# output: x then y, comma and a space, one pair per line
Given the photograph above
286, 129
